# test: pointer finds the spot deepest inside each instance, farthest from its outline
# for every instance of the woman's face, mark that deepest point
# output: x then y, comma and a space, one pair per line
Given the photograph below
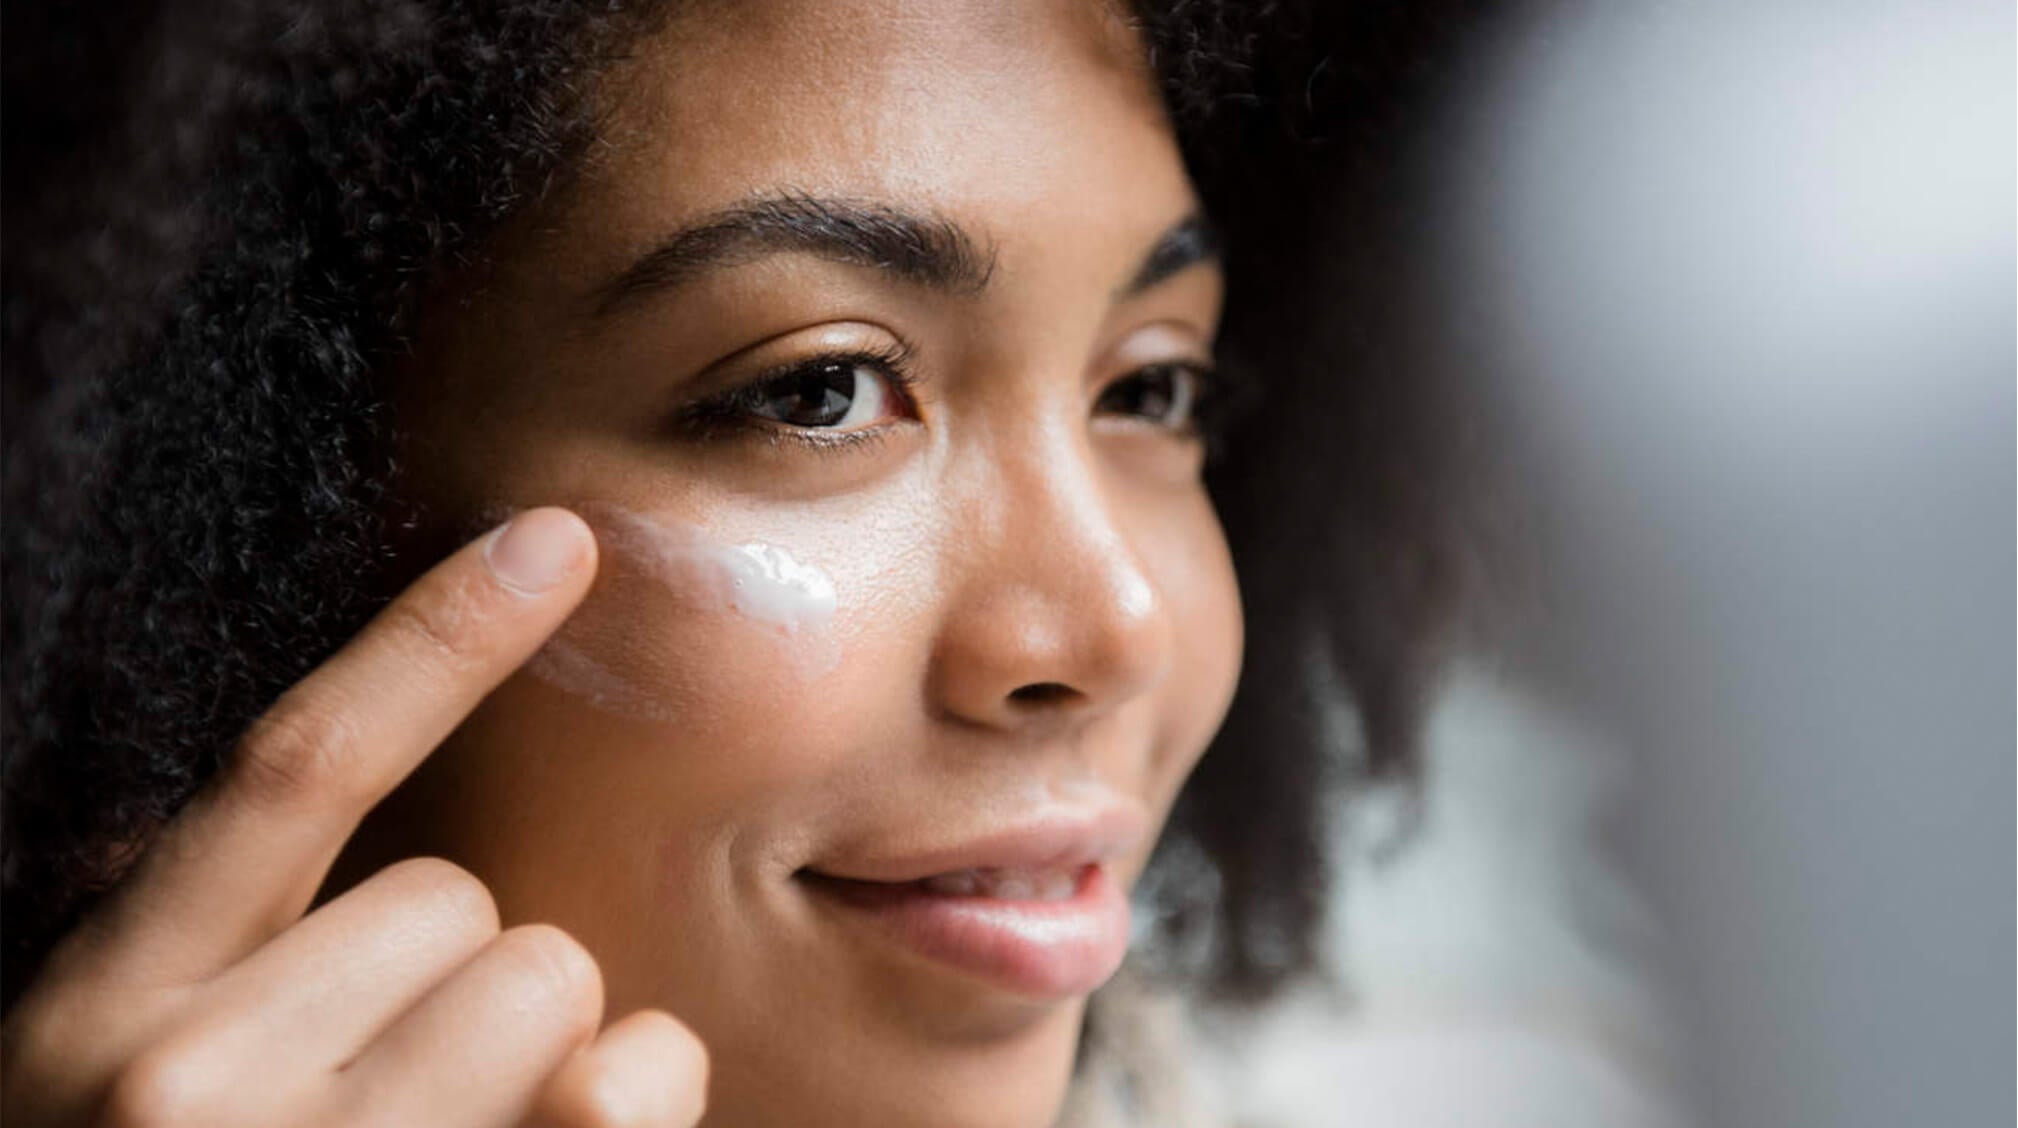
863, 340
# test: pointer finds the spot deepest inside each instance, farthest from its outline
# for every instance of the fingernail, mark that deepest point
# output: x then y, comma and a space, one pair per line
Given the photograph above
535, 550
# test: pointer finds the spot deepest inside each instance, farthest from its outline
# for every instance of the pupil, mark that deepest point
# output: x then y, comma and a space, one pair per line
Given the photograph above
819, 398
1157, 394
1150, 394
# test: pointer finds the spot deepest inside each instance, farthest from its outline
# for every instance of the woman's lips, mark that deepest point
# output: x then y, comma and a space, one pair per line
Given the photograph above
1046, 934
1034, 908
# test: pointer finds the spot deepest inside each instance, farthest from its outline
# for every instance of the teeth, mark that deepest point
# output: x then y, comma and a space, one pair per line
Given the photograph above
1005, 885
1011, 887
1056, 885
960, 883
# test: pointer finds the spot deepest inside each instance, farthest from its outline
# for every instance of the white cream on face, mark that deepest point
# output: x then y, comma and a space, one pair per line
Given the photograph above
761, 584
759, 581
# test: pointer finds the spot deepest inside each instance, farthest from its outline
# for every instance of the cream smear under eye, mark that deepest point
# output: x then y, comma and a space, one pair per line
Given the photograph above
760, 583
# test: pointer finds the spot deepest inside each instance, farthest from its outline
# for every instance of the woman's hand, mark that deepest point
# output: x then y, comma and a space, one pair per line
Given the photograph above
198, 994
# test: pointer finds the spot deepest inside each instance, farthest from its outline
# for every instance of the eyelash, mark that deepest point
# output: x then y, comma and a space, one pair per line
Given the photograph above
1205, 380
728, 412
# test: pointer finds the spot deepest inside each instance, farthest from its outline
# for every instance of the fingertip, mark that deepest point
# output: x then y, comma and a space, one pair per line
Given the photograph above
539, 550
677, 1041
646, 1069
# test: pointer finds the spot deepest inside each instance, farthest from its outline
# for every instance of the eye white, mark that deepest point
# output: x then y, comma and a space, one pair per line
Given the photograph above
866, 400
1183, 395
1131, 400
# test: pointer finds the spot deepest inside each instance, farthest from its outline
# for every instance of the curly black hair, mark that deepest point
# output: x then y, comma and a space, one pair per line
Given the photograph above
218, 215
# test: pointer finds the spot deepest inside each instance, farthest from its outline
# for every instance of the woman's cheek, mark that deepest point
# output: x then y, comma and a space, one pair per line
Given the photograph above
721, 663
1194, 571
730, 667
705, 694
682, 623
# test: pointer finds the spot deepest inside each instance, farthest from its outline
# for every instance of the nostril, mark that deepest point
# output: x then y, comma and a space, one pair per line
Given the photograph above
1043, 693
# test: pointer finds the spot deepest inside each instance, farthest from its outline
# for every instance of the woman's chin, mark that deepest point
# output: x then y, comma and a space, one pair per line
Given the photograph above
1014, 1077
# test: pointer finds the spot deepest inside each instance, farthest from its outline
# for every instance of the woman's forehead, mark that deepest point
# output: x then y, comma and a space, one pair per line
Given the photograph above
872, 35
1035, 130
955, 109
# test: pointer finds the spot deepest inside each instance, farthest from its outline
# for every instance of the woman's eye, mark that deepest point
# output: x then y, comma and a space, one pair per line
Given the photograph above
1164, 394
831, 394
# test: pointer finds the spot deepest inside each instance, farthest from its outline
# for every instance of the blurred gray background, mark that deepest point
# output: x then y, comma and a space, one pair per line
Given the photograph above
1719, 819
1743, 273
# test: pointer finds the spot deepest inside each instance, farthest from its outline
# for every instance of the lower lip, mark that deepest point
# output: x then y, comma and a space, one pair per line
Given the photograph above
1039, 949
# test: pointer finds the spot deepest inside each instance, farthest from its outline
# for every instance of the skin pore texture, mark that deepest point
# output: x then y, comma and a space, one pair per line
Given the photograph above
992, 596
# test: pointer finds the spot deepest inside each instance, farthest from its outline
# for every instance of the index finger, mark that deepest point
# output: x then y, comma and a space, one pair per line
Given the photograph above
243, 860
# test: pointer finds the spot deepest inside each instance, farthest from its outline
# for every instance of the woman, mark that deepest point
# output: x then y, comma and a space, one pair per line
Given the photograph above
834, 378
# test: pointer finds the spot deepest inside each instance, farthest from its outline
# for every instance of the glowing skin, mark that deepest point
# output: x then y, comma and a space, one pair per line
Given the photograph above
1035, 616
762, 583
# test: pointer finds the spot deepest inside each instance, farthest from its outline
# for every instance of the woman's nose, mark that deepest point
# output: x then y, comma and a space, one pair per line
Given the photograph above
1053, 616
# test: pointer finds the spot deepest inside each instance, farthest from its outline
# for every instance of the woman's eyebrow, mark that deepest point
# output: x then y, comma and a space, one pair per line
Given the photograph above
924, 250
1187, 243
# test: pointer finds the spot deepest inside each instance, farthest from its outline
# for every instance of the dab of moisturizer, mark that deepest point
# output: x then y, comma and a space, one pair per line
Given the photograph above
762, 584
759, 581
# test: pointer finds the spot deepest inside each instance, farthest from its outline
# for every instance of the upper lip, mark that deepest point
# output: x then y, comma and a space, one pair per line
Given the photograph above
1052, 839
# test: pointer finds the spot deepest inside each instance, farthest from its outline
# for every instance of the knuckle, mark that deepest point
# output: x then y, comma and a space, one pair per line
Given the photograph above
443, 621
554, 968
299, 749
170, 1085
586, 1096
447, 893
